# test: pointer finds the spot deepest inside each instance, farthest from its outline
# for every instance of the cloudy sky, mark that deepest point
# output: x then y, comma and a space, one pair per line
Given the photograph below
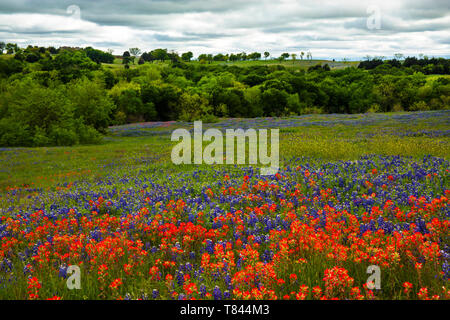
328, 29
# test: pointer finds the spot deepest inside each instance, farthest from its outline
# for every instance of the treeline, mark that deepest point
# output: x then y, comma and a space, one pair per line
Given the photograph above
34, 53
424, 65
69, 97
162, 55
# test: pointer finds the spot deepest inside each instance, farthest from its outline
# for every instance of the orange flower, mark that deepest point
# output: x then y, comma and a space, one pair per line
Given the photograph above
116, 283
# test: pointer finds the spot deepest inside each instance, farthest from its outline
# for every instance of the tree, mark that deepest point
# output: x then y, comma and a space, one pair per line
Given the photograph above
233, 57
70, 65
254, 56
284, 56
160, 54
99, 56
11, 48
266, 55
193, 107
294, 57
187, 56
32, 57
135, 52
147, 56
398, 56
52, 50
173, 56
302, 54
39, 116
220, 57
274, 102
19, 56
90, 102
207, 57
309, 55
370, 64
2, 47
130, 103
126, 59
9, 67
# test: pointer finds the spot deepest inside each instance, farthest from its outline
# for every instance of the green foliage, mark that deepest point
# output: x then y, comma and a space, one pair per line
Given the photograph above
99, 56
14, 134
194, 107
70, 65
274, 102
33, 115
9, 67
47, 90
187, 56
91, 103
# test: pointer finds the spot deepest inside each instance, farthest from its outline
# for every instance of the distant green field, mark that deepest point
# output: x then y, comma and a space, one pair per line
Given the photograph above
297, 64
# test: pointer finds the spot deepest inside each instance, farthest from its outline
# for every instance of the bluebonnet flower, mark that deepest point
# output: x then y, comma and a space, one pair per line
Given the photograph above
217, 293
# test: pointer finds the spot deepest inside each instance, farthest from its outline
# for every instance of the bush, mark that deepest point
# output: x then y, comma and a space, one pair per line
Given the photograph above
14, 134
419, 106
62, 136
120, 118
374, 108
9, 67
149, 112
90, 102
311, 110
274, 102
33, 115
40, 138
87, 134
194, 107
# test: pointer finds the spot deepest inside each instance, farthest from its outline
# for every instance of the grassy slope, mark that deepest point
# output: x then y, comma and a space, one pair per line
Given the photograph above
298, 64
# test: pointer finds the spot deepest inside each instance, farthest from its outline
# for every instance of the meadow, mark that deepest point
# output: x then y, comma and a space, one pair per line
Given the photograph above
353, 191
298, 64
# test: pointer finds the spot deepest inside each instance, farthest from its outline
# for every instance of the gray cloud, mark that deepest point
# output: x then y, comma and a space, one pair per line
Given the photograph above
330, 28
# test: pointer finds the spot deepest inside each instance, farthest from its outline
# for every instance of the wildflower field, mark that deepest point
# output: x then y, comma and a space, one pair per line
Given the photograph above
353, 191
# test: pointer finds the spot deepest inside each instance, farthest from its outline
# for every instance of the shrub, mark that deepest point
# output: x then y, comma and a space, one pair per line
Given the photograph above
419, 106
90, 102
13, 134
194, 107
61, 136
40, 138
87, 134
33, 115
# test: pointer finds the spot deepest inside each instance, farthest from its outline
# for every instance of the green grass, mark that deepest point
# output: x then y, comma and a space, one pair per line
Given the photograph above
298, 64
47, 167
